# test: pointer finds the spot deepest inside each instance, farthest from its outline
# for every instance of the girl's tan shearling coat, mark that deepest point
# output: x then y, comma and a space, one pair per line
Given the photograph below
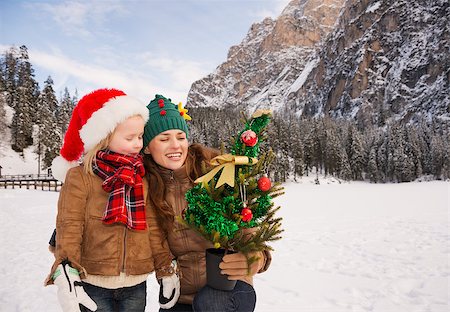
94, 247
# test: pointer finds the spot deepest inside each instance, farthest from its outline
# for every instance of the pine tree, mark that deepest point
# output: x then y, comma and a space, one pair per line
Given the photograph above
308, 146
64, 111
445, 172
414, 151
2, 75
24, 102
345, 172
278, 140
9, 70
333, 151
390, 151
403, 166
2, 113
356, 158
49, 133
318, 143
233, 208
372, 167
438, 156
21, 127
297, 150
424, 138
382, 158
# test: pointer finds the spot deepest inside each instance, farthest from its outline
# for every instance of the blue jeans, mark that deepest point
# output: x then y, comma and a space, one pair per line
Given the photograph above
126, 299
241, 299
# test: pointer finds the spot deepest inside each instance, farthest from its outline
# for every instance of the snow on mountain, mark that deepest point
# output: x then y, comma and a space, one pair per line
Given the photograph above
385, 60
265, 64
360, 59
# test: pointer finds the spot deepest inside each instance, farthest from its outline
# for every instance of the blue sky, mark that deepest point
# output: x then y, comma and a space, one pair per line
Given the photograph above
142, 47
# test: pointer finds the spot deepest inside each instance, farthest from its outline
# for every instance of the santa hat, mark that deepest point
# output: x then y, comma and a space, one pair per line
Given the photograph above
94, 117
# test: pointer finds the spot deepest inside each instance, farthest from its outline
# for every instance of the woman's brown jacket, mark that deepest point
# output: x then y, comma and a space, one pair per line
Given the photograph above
185, 244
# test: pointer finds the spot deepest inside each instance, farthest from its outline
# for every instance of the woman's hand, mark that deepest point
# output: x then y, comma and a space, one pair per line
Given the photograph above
236, 266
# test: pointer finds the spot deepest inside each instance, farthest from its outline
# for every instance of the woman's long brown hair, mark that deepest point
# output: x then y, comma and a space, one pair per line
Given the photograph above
197, 154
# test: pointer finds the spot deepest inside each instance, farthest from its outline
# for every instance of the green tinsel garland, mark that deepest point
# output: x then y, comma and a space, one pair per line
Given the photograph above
263, 204
218, 213
257, 125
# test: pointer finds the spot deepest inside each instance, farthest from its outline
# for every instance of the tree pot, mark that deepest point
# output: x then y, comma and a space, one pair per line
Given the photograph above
214, 278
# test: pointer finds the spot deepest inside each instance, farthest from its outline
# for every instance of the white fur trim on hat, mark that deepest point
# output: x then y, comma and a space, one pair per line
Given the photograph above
104, 120
60, 166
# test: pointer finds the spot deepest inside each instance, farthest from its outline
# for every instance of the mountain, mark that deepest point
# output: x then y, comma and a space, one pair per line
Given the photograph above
263, 67
366, 60
384, 60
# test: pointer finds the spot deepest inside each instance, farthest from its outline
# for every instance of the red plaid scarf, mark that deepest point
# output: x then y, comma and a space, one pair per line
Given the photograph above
122, 179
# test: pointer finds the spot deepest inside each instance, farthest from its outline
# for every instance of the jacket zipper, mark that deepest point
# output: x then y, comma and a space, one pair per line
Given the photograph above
124, 249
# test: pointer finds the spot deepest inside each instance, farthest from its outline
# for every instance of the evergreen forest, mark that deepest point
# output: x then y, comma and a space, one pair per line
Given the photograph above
396, 152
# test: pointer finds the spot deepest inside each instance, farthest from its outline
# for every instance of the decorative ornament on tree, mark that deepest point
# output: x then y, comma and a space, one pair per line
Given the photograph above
246, 214
249, 138
264, 183
229, 206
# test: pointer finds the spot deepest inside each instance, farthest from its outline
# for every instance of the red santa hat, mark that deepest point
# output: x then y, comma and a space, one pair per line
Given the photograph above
95, 116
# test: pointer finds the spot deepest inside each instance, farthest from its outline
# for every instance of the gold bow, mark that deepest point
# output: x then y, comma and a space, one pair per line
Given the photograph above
260, 112
227, 162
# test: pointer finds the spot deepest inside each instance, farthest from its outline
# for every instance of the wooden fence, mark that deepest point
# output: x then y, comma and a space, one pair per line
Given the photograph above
33, 181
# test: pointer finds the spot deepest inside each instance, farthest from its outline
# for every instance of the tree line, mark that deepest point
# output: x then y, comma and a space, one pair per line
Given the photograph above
397, 152
39, 118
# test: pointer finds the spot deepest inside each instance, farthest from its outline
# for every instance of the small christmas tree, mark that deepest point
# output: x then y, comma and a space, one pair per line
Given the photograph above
232, 205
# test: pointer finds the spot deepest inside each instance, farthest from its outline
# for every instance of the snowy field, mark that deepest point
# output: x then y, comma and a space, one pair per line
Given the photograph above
346, 247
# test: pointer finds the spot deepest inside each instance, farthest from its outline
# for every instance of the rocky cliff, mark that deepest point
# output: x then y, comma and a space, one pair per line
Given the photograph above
384, 60
264, 65
371, 60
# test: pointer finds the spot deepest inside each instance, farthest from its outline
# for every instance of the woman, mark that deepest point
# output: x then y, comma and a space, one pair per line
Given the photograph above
171, 167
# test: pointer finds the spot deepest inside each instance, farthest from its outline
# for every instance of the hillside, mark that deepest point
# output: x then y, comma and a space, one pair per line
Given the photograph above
11, 161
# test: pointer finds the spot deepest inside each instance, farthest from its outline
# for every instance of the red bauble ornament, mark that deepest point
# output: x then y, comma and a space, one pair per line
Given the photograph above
264, 184
246, 214
249, 138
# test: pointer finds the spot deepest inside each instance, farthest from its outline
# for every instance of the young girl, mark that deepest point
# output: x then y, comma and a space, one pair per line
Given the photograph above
172, 166
104, 227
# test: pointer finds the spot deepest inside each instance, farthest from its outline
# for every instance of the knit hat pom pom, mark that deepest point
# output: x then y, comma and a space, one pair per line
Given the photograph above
60, 166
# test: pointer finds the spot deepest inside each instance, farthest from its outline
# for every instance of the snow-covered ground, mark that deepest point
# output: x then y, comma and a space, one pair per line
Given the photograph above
346, 247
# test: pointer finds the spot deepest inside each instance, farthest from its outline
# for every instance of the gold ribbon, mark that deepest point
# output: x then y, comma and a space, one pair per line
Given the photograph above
260, 112
228, 163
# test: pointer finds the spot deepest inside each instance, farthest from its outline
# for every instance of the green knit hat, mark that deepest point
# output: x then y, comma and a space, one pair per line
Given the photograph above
164, 115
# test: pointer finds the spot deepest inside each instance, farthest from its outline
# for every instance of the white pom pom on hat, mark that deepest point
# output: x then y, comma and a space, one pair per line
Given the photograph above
95, 116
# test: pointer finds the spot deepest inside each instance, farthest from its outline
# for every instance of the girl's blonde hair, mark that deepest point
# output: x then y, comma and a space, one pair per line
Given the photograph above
89, 157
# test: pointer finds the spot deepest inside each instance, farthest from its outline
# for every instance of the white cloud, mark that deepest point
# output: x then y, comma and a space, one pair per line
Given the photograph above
174, 80
89, 76
273, 11
181, 72
75, 18
150, 74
